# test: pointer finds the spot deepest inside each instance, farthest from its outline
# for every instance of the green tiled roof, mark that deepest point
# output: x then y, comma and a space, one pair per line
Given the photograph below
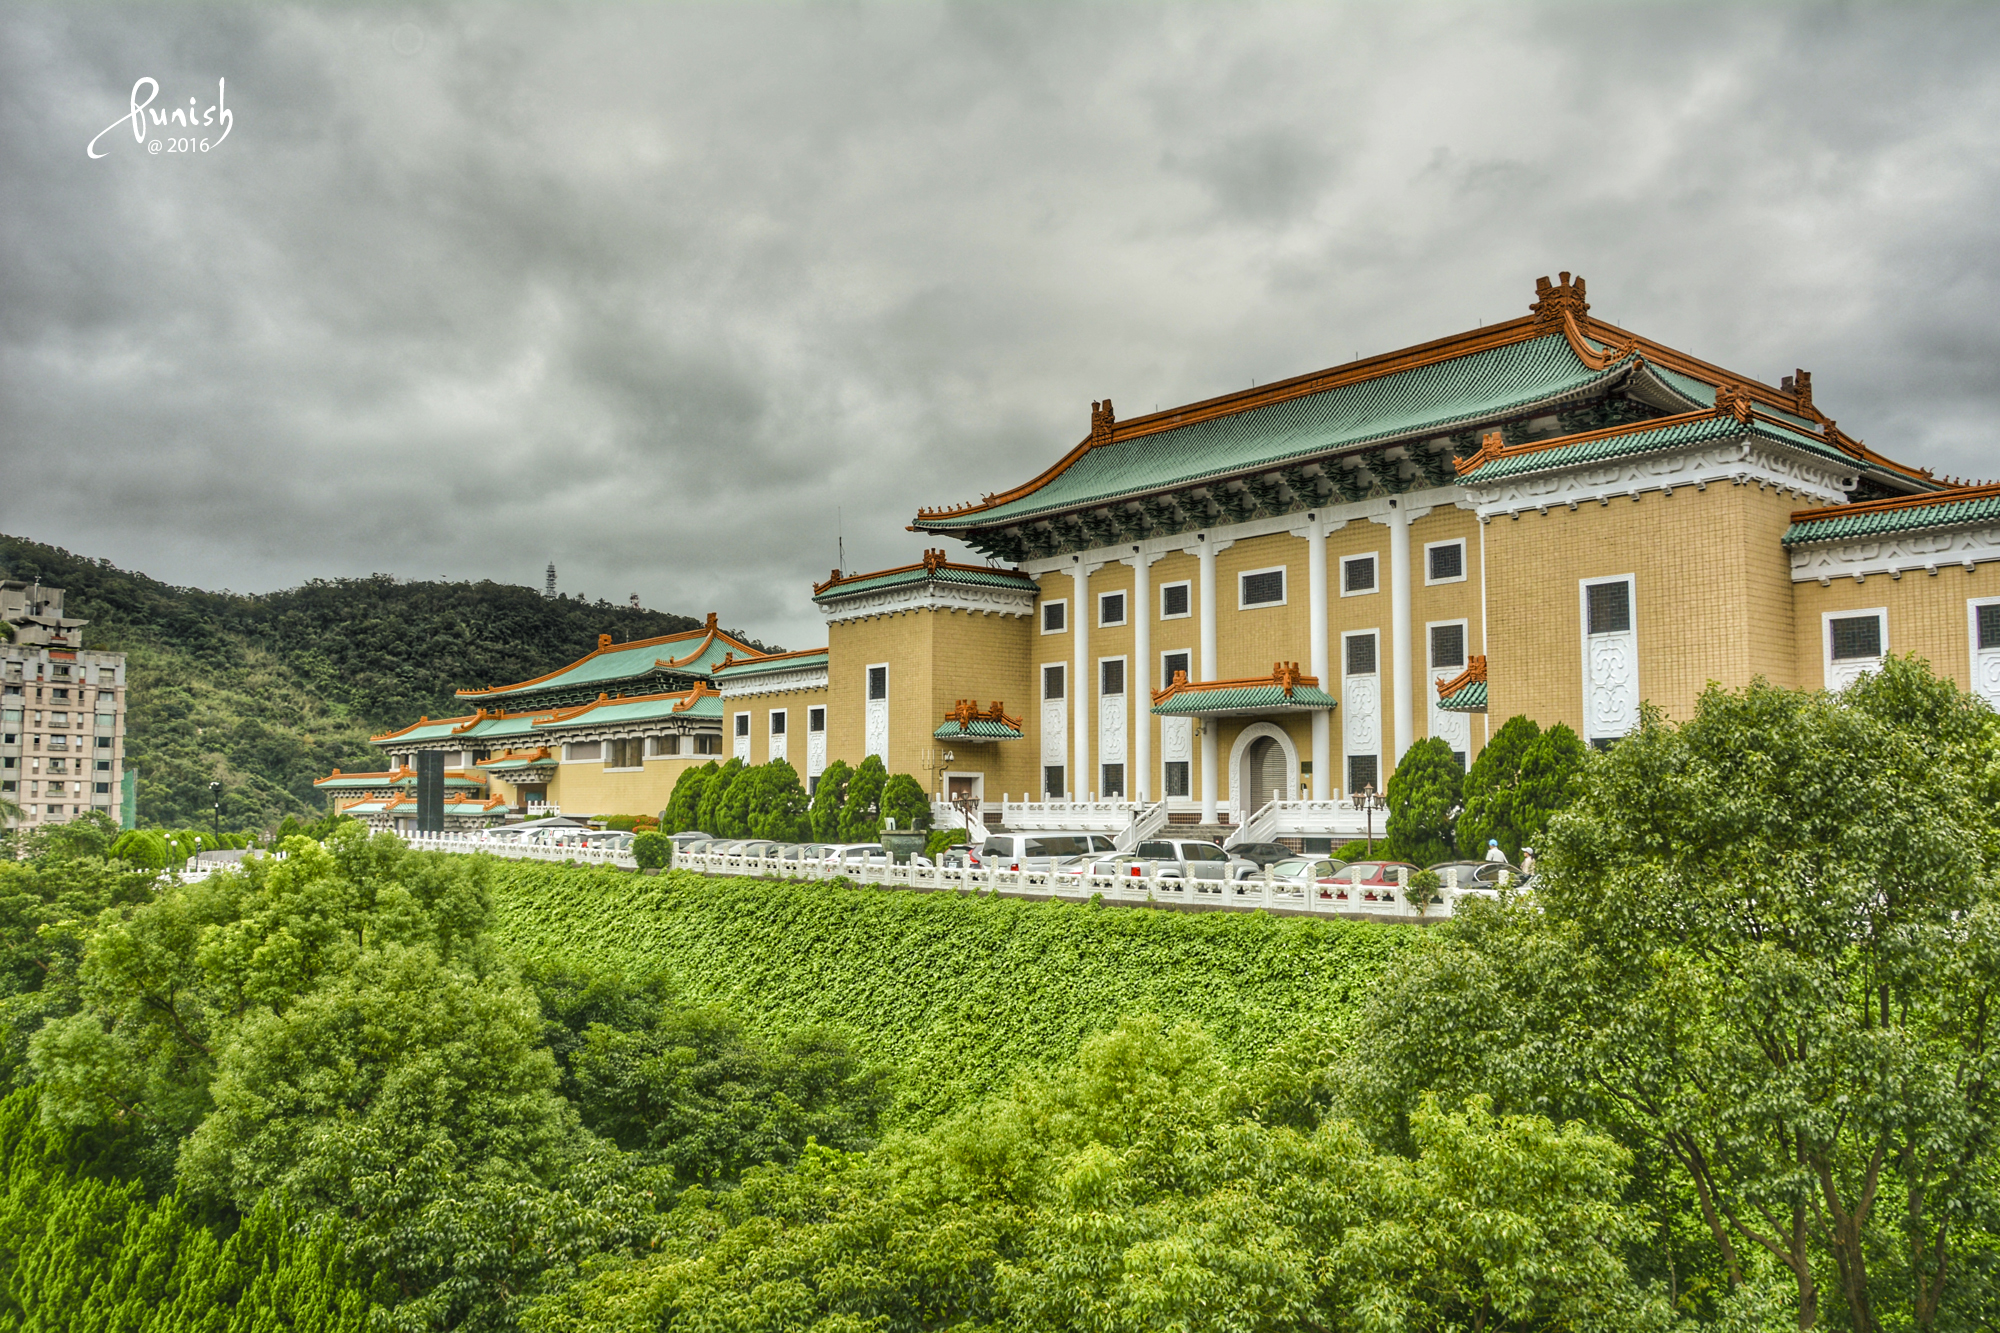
1424, 399
897, 578
760, 666
509, 765
1266, 698
626, 663
435, 731
1470, 699
980, 729
1629, 443
1839, 526
638, 710
347, 782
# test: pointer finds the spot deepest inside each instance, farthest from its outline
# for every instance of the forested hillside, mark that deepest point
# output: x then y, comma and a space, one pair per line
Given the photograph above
268, 692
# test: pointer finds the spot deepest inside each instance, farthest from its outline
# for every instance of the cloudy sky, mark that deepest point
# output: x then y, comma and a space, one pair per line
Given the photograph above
670, 294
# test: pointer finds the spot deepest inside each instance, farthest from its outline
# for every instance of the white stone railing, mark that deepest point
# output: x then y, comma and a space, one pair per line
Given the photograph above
1145, 823
1069, 816
1277, 818
1349, 898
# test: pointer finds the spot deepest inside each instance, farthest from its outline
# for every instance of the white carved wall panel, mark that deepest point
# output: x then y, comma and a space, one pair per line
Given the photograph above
877, 724
1361, 715
815, 753
778, 745
1985, 661
1454, 729
1111, 728
1055, 731
1611, 685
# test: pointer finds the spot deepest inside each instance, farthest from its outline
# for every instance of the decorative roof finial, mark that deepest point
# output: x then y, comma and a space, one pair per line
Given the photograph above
1102, 419
1799, 385
1556, 299
710, 627
932, 559
603, 642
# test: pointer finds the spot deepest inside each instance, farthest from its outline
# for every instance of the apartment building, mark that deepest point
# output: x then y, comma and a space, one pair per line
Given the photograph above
62, 712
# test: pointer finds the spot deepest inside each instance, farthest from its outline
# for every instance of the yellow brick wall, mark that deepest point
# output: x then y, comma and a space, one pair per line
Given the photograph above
1431, 602
1708, 596
984, 658
1927, 616
587, 788
903, 640
1249, 640
760, 707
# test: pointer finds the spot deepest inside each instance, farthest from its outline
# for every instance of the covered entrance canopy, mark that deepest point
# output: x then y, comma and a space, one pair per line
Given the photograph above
1284, 691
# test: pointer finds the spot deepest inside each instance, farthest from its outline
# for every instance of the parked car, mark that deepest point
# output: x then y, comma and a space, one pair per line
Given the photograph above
1038, 851
1263, 853
690, 841
1300, 871
803, 851
1125, 864
1194, 859
1482, 874
1370, 879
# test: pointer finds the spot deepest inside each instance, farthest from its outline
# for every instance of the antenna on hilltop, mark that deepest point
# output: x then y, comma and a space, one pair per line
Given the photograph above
840, 540
635, 601
549, 587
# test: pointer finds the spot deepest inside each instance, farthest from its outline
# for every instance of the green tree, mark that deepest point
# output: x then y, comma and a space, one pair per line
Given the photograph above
827, 799
781, 811
683, 812
1551, 778
1423, 796
1489, 790
904, 800
745, 794
860, 812
652, 850
709, 819
1766, 956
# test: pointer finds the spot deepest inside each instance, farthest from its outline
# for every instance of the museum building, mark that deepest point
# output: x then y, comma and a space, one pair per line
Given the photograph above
1270, 595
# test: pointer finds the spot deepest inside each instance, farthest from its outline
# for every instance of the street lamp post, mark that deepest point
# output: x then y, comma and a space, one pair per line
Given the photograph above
215, 791
1370, 800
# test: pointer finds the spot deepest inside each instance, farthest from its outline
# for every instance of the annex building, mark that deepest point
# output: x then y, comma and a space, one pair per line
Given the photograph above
1270, 595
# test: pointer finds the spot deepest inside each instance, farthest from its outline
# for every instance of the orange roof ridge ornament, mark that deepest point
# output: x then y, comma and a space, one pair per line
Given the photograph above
1103, 423
1285, 676
1489, 449
1557, 301
966, 712
1733, 400
1474, 674
933, 560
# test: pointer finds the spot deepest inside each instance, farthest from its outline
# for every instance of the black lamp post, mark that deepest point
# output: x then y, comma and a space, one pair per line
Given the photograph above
1369, 800
215, 791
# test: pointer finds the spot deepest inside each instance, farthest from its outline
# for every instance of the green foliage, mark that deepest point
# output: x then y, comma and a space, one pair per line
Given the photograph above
777, 805
957, 992
683, 813
943, 838
1424, 794
861, 811
1765, 953
653, 850
91, 1255
828, 798
1144, 1187
270, 692
1517, 785
904, 800
710, 817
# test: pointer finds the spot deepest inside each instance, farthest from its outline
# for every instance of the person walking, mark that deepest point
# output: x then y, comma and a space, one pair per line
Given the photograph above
1527, 860
1493, 852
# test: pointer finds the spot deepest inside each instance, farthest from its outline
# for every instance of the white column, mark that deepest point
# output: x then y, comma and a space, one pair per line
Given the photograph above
1399, 633
1205, 552
1139, 721
1322, 737
1081, 694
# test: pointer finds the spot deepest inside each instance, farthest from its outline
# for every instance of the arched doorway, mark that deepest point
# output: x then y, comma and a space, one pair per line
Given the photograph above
1266, 765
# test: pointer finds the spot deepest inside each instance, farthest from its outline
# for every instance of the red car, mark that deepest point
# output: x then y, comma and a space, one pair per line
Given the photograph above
1368, 880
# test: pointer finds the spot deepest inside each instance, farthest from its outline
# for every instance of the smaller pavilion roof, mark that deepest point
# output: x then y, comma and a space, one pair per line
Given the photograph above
701, 701
730, 668
515, 760
933, 568
1285, 690
1465, 692
401, 777
965, 722
1954, 507
695, 651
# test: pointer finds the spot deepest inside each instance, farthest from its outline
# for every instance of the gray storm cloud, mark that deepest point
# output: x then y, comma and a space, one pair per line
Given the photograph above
664, 293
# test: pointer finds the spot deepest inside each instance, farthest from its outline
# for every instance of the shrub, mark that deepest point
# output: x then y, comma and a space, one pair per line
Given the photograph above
904, 800
1424, 794
827, 799
943, 838
861, 812
683, 811
653, 850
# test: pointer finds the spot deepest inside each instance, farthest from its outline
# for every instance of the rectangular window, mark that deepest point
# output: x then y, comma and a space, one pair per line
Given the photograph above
1114, 783
107, 719
1362, 773
1111, 609
1262, 587
103, 742
625, 754
1361, 654
584, 750
878, 682
1171, 663
1177, 777
1173, 601
742, 721
1111, 676
778, 723
1989, 625
1052, 781
1609, 607
1052, 681
1055, 617
1448, 646
666, 745
1444, 562
815, 719
104, 765
709, 743
1357, 574
1856, 636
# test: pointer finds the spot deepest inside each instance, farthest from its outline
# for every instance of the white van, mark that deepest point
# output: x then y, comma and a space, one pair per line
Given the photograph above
1038, 851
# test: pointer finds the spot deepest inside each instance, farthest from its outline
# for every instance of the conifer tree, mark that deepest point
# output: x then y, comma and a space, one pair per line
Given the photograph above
904, 800
1489, 790
861, 813
709, 819
828, 798
683, 811
781, 812
1424, 794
